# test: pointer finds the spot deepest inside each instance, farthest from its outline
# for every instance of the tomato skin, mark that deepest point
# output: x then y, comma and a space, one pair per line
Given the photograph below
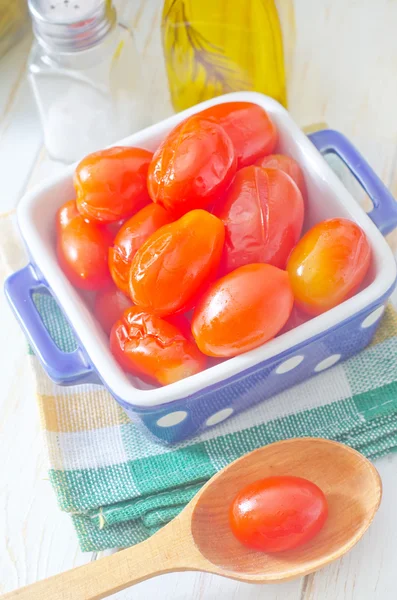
176, 263
65, 214
278, 513
111, 184
263, 214
109, 307
286, 164
154, 348
82, 250
328, 265
130, 238
242, 310
250, 128
193, 166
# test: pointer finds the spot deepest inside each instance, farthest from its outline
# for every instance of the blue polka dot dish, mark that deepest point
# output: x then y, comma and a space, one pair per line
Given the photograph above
187, 407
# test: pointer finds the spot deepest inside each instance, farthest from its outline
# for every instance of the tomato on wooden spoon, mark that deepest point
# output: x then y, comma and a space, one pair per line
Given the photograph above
278, 513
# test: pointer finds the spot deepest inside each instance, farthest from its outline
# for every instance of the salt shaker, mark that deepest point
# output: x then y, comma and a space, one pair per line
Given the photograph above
86, 76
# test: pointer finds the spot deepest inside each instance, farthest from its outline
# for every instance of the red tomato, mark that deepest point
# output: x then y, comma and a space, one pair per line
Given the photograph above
192, 167
111, 184
65, 214
109, 307
328, 265
249, 127
278, 513
82, 250
130, 238
286, 164
154, 348
242, 310
175, 264
263, 216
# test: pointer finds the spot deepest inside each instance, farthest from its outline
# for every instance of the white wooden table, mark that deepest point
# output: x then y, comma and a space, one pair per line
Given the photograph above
345, 74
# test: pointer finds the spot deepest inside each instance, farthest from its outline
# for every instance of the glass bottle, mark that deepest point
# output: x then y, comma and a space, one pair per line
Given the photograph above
213, 47
85, 72
14, 23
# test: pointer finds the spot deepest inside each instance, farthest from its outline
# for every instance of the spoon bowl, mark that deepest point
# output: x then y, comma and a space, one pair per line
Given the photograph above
200, 539
350, 483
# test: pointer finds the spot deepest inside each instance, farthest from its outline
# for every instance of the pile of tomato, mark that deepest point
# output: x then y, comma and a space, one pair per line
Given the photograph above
195, 251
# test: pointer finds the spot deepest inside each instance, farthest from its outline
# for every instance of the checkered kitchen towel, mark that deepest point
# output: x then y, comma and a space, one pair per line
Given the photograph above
119, 487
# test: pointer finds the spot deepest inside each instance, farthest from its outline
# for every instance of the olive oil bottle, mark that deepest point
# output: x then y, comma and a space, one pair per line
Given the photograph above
213, 47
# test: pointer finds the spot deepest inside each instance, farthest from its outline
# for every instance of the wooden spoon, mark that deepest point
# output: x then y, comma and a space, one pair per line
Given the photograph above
199, 539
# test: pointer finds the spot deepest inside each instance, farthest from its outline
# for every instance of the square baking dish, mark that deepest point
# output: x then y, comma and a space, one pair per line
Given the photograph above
184, 408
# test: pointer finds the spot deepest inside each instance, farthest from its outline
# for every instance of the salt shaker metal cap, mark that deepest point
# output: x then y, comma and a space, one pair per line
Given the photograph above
71, 25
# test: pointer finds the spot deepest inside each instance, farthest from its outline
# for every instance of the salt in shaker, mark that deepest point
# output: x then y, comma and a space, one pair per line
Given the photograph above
86, 76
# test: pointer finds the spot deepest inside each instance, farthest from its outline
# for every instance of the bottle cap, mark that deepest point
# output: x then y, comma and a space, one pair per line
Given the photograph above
71, 25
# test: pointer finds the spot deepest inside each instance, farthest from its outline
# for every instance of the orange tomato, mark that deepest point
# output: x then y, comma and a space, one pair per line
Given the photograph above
286, 164
263, 217
278, 513
176, 263
130, 238
65, 214
111, 184
154, 348
328, 265
192, 167
109, 306
249, 127
242, 310
82, 249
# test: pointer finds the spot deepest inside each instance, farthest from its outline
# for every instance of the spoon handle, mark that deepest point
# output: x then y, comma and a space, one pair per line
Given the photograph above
162, 553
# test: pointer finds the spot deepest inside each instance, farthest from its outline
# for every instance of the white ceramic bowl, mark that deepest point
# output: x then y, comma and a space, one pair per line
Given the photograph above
327, 198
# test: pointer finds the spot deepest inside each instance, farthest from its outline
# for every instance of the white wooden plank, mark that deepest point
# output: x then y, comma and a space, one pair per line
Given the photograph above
12, 69
20, 142
200, 586
36, 539
344, 75
369, 570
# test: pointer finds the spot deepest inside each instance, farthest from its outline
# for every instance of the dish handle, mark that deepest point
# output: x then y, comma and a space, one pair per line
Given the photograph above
65, 368
384, 213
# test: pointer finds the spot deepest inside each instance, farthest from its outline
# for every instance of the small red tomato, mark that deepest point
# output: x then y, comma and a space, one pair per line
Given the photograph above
65, 214
286, 164
111, 184
249, 127
130, 238
278, 513
192, 167
82, 250
328, 265
242, 310
176, 263
154, 348
263, 215
109, 307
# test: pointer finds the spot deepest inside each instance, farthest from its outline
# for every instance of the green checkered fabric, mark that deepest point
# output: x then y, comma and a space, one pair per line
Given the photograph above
120, 487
